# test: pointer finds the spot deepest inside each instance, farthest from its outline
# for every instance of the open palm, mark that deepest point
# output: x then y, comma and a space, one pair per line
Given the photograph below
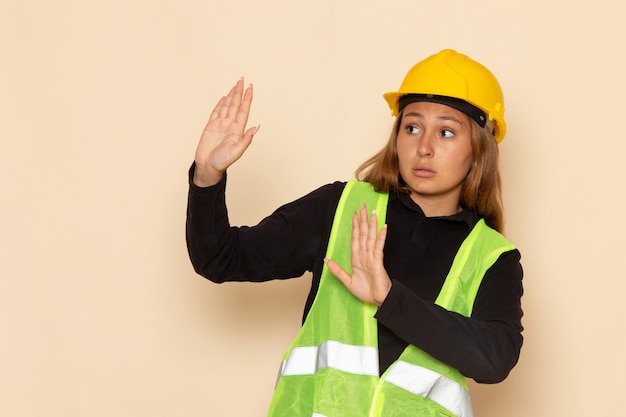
225, 137
369, 281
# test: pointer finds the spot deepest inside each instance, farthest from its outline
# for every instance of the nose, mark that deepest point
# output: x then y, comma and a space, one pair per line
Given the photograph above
425, 146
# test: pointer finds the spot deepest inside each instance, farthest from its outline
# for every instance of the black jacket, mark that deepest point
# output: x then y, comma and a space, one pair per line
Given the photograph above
418, 254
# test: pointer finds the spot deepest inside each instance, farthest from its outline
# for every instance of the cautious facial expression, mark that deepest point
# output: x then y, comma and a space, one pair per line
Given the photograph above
434, 152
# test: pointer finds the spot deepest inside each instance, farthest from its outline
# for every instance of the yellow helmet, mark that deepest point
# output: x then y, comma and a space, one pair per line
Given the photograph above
449, 74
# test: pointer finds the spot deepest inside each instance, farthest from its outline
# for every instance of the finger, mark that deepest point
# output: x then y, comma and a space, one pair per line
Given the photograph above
363, 228
380, 242
235, 102
251, 132
338, 271
244, 108
248, 135
355, 242
372, 232
223, 111
217, 109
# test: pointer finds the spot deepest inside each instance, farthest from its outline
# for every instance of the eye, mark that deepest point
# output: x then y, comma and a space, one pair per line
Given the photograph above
411, 130
446, 133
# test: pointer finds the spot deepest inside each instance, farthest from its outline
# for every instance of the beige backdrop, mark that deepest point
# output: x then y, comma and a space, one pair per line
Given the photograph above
101, 106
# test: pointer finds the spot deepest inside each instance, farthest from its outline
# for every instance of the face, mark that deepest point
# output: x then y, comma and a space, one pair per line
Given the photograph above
434, 155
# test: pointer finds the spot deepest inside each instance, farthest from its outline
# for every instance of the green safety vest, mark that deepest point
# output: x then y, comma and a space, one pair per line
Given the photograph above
332, 368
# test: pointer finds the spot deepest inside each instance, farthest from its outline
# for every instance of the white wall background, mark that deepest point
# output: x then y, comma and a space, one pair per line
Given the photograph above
101, 106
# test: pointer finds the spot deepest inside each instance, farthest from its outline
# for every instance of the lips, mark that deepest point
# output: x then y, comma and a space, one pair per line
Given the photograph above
423, 171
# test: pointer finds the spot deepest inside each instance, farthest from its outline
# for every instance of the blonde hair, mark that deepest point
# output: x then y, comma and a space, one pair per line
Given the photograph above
481, 190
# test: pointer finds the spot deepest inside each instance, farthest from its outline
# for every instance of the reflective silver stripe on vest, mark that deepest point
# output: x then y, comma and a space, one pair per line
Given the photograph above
360, 360
431, 385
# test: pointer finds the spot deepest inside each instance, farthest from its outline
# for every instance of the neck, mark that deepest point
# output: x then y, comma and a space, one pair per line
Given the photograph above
434, 206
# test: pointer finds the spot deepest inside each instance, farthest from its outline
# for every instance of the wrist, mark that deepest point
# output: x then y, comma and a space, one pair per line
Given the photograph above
206, 177
383, 295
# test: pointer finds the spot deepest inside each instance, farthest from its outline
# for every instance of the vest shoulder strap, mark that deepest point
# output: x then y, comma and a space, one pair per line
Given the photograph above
355, 194
333, 299
478, 252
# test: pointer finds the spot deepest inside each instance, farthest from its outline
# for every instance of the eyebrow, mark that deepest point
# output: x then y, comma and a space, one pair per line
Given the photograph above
421, 116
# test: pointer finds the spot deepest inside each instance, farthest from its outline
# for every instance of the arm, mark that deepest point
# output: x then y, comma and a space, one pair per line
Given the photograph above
285, 244
485, 346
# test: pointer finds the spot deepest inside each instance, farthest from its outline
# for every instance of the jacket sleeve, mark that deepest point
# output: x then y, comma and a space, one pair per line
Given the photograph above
283, 245
485, 346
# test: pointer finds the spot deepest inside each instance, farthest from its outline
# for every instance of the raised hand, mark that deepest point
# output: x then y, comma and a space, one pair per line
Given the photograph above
225, 137
369, 281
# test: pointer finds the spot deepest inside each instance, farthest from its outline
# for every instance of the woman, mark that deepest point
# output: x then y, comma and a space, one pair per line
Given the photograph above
407, 299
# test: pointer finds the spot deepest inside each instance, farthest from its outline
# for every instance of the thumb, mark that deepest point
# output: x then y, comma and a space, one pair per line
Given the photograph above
338, 271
